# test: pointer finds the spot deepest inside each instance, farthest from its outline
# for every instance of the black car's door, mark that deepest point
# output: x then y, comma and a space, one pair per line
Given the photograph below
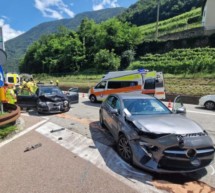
27, 101
73, 95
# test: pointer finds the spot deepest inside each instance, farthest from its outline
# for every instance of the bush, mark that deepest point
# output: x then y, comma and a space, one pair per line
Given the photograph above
106, 61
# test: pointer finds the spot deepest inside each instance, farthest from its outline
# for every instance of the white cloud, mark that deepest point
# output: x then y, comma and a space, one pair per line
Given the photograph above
97, 5
8, 32
53, 8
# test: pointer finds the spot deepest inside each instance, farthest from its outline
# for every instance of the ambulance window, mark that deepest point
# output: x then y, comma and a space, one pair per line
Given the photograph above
11, 79
121, 84
114, 85
101, 85
149, 83
159, 83
129, 83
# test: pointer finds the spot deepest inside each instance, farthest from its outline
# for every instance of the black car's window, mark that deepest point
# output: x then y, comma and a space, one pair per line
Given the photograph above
37, 92
50, 91
73, 90
140, 106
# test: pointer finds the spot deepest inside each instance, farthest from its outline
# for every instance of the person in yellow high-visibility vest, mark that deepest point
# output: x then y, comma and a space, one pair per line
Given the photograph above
10, 94
57, 83
30, 86
2, 95
25, 90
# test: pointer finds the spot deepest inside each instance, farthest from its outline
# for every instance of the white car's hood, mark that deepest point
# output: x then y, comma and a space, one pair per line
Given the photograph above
174, 124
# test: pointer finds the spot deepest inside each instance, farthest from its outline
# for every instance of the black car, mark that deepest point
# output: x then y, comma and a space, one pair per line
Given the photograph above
48, 99
154, 138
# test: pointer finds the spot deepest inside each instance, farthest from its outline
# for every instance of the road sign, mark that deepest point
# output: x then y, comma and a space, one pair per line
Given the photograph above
1, 39
1, 77
3, 57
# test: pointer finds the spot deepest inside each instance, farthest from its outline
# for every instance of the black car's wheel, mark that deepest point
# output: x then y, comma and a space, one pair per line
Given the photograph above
210, 105
38, 111
67, 108
101, 120
93, 98
124, 149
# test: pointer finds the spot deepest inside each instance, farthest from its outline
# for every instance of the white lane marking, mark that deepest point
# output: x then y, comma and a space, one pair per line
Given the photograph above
22, 133
213, 170
213, 114
101, 156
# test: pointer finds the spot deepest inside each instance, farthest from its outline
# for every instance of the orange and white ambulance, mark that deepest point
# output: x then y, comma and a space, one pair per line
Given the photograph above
144, 81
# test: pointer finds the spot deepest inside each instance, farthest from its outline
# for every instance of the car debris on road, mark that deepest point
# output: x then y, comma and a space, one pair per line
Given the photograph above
33, 147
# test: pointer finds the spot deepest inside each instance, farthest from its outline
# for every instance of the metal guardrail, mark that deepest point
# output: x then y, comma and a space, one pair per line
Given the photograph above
13, 113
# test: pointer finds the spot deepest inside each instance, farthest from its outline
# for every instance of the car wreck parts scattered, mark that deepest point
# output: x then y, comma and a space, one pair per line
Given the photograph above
154, 138
32, 147
142, 81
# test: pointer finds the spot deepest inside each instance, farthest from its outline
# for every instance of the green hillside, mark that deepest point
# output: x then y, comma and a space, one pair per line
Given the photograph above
145, 11
185, 21
17, 47
179, 61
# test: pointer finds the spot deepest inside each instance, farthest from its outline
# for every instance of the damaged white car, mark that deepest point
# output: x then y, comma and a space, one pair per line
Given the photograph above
154, 138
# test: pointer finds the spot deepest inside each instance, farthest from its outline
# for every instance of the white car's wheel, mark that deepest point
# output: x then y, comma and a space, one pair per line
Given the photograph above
210, 105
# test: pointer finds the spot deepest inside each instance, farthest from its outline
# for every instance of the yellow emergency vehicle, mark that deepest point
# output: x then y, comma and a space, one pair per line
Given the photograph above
143, 81
12, 78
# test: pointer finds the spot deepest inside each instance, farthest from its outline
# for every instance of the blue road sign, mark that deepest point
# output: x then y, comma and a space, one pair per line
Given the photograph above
1, 77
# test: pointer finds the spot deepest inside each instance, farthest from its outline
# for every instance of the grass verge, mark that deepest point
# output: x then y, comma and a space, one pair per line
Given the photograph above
6, 130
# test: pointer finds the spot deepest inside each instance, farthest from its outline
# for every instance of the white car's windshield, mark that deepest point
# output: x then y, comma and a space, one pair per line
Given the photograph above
140, 106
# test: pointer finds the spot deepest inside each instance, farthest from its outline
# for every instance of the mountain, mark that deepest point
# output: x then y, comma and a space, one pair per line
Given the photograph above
15, 48
145, 11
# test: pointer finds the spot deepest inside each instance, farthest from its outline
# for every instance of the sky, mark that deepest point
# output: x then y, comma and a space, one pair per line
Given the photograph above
19, 16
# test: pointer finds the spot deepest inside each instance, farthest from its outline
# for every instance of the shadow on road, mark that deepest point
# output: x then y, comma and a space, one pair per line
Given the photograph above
106, 146
204, 109
88, 103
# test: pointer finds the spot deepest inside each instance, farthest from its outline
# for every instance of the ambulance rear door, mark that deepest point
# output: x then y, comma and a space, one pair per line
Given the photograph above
159, 86
149, 83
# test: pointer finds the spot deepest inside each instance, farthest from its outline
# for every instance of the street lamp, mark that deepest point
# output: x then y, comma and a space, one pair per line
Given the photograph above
158, 14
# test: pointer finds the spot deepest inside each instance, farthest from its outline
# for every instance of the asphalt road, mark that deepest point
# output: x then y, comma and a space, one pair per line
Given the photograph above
80, 156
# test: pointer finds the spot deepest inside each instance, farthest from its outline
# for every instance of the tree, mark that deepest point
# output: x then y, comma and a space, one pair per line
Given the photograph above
88, 33
126, 59
61, 52
106, 60
120, 36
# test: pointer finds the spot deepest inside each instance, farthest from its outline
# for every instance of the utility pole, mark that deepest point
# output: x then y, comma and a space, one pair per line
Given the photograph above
158, 15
